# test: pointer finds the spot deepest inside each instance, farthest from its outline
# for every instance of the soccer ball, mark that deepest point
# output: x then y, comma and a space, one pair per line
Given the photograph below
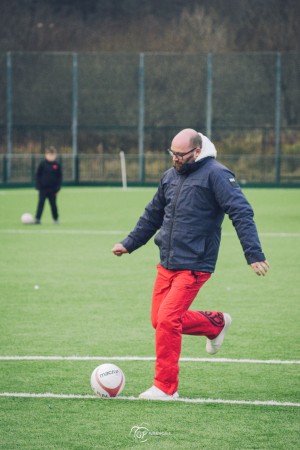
27, 218
107, 380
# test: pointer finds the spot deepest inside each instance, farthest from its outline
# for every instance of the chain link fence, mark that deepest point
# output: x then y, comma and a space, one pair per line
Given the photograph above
92, 106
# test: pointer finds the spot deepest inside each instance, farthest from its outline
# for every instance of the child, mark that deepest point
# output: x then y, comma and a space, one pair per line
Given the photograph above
48, 183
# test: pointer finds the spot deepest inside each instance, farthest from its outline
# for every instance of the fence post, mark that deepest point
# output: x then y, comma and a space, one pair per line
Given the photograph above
278, 120
4, 169
77, 173
123, 170
141, 120
209, 95
75, 116
8, 114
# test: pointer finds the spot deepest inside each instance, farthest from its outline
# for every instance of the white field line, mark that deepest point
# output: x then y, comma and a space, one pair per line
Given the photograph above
29, 230
184, 400
34, 230
144, 358
71, 190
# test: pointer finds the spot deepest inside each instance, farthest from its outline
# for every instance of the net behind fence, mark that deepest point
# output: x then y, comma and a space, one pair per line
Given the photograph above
94, 105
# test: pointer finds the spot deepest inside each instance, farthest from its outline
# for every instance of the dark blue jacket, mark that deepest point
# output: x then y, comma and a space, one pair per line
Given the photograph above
48, 176
188, 210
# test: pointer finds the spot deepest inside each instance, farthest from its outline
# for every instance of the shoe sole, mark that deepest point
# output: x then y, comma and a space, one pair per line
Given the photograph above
167, 398
163, 399
210, 348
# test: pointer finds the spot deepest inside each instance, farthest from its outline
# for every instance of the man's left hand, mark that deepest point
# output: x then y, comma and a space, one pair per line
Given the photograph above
260, 268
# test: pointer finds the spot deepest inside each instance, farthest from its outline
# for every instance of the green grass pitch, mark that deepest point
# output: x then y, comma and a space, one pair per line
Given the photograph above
91, 303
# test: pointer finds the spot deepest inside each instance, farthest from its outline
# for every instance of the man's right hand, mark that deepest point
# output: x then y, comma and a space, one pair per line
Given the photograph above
119, 249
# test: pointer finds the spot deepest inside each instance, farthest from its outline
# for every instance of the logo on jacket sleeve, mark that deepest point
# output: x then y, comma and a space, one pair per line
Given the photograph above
233, 182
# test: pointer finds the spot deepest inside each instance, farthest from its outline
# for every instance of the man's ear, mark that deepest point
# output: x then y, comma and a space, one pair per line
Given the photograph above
198, 152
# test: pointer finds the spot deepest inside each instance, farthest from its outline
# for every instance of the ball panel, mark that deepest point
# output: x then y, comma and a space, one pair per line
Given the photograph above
112, 392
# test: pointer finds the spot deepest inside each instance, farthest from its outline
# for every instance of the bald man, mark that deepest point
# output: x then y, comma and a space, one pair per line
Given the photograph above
187, 211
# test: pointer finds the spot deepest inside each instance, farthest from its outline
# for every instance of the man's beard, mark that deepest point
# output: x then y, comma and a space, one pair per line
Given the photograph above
185, 167
178, 165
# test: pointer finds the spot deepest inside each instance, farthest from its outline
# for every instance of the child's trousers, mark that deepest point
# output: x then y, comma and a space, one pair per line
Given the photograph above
51, 196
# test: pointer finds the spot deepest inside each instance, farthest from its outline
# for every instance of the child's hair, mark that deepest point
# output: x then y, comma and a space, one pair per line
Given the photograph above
51, 150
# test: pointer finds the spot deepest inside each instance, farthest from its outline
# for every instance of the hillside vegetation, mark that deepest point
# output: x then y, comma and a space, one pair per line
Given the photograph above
150, 25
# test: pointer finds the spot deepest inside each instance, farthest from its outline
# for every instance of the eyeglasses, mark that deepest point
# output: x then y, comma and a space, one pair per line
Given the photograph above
180, 155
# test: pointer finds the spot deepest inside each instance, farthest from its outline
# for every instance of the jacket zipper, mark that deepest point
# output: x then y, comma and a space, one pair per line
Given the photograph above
173, 214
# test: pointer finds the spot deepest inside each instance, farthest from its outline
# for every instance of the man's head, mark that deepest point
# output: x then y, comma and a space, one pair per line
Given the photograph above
50, 153
185, 148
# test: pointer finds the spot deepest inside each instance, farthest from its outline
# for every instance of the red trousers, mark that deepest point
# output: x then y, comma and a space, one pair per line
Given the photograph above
173, 293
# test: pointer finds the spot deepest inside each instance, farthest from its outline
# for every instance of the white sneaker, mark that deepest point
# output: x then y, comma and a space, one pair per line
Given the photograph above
156, 394
214, 345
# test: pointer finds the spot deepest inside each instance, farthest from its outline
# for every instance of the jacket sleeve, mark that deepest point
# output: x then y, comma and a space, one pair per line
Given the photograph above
38, 176
59, 178
233, 202
148, 223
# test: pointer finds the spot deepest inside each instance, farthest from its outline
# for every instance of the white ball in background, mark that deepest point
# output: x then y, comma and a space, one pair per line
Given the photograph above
27, 218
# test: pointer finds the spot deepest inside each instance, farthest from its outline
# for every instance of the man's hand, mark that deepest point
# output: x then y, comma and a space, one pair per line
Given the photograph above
119, 249
260, 268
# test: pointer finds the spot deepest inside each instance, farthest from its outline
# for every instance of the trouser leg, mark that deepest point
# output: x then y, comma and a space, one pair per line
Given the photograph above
203, 323
52, 201
41, 203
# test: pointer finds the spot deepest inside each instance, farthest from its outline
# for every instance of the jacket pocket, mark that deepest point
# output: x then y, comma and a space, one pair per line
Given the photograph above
190, 247
161, 239
157, 239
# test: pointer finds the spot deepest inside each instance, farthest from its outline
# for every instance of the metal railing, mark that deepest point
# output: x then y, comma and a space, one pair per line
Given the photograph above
106, 169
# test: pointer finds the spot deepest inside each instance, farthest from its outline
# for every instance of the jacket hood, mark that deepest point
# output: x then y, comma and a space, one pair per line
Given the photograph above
208, 148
